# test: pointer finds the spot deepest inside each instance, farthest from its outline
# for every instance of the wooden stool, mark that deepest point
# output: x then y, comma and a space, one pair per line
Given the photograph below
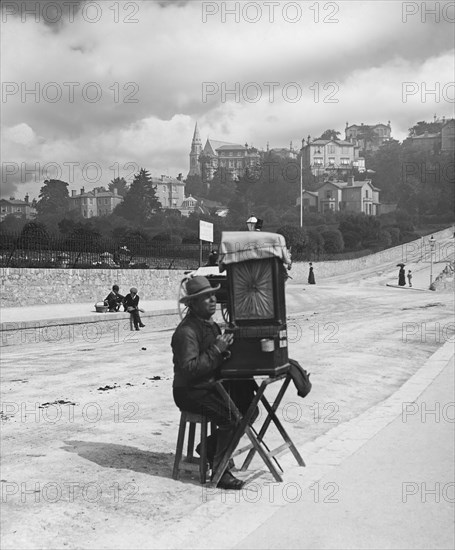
192, 463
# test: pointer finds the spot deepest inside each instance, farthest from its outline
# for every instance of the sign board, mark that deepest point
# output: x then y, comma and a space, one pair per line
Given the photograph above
206, 231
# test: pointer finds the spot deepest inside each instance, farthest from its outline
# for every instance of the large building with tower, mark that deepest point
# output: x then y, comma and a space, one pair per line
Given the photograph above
233, 157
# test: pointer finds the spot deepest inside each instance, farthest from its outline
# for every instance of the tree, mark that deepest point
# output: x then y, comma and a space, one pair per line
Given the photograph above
421, 127
34, 235
12, 224
140, 202
385, 238
356, 228
278, 184
367, 135
314, 243
333, 241
195, 187
427, 183
53, 198
222, 186
83, 237
395, 235
120, 184
241, 205
169, 220
388, 167
205, 162
294, 236
352, 240
330, 134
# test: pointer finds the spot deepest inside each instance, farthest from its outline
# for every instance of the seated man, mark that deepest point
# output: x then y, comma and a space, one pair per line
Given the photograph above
199, 349
114, 299
131, 305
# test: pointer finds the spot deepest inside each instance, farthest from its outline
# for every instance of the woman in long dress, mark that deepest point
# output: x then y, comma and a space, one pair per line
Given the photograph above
402, 277
311, 280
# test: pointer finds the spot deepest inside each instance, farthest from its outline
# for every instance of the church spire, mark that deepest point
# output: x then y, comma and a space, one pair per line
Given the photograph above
196, 136
196, 150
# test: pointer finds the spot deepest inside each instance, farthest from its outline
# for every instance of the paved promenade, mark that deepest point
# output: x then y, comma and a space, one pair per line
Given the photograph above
390, 482
382, 477
47, 322
57, 312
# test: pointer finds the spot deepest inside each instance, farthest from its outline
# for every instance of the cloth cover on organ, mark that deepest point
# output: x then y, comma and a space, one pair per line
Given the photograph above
253, 292
242, 246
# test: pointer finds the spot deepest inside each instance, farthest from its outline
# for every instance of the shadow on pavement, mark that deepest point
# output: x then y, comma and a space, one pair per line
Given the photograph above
110, 455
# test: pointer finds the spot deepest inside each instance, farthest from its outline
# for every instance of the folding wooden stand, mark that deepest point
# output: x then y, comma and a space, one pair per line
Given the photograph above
257, 438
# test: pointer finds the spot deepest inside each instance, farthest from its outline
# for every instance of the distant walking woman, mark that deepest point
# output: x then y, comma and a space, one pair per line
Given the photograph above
311, 280
402, 277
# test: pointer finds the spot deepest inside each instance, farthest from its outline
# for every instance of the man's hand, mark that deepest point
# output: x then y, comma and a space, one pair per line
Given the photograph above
223, 341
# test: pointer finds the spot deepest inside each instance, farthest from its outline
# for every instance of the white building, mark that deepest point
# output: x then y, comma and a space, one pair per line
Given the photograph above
99, 202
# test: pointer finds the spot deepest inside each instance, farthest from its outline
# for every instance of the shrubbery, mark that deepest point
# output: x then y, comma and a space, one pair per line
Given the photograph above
333, 241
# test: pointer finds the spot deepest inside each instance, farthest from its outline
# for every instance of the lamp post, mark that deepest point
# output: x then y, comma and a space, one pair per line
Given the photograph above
432, 242
301, 184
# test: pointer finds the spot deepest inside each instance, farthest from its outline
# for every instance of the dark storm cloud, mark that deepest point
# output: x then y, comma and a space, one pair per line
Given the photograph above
169, 53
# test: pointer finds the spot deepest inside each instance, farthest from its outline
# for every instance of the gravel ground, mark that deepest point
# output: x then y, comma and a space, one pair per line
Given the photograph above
89, 430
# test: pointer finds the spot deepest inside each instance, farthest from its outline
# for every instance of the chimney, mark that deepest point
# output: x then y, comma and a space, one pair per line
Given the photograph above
26, 198
73, 192
82, 190
180, 177
350, 181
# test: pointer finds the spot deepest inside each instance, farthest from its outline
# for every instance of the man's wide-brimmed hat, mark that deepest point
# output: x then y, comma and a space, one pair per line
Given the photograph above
197, 286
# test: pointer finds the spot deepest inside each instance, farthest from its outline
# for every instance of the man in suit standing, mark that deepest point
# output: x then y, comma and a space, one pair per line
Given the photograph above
131, 305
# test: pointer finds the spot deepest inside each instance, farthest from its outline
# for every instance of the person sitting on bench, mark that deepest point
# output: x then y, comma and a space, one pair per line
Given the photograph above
114, 299
131, 305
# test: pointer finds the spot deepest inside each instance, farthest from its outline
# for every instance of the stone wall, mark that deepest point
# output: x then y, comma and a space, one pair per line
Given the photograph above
34, 286
405, 253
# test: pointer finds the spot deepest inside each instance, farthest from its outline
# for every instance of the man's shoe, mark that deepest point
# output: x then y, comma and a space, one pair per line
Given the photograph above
228, 481
230, 465
137, 328
142, 325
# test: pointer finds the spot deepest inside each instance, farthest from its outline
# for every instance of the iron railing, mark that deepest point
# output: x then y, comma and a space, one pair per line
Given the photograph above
81, 252
17, 250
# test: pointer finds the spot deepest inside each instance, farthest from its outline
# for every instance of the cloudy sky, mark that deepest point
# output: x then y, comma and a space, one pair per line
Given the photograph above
94, 90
